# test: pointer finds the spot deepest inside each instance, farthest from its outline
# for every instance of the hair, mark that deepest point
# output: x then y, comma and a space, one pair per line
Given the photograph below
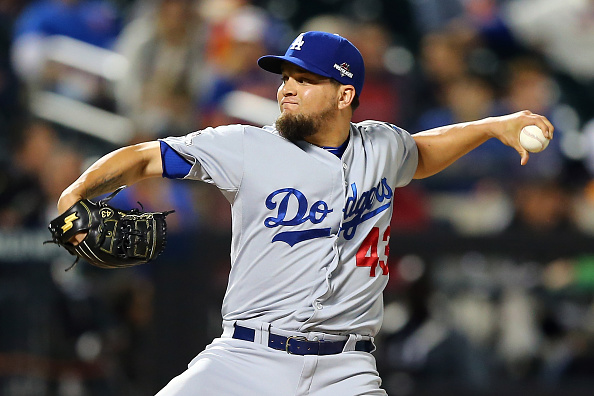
355, 103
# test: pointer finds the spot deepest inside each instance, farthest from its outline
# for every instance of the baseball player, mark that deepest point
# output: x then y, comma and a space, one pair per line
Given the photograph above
312, 198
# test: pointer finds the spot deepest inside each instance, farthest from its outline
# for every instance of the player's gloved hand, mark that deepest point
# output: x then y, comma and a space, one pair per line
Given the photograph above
108, 237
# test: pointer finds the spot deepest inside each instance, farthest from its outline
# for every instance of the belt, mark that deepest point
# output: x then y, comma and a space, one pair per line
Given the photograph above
297, 345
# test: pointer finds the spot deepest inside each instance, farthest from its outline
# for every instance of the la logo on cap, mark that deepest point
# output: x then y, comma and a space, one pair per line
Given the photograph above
325, 54
297, 43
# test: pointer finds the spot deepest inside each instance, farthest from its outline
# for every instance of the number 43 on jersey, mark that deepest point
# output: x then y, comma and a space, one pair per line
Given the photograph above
374, 252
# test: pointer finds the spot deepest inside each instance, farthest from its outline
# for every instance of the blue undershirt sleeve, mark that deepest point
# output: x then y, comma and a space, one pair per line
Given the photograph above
174, 165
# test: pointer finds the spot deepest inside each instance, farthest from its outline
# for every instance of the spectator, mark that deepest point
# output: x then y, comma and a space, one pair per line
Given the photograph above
529, 84
235, 45
464, 98
10, 104
94, 22
385, 92
22, 199
483, 23
541, 206
563, 31
442, 59
435, 15
165, 49
330, 23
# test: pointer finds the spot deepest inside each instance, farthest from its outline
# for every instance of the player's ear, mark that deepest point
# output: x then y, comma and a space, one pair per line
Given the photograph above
346, 96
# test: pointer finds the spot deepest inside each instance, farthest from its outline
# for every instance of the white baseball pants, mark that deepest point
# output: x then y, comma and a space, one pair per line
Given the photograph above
229, 367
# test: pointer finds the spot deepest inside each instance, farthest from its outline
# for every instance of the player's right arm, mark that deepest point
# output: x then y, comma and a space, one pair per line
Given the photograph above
125, 166
438, 148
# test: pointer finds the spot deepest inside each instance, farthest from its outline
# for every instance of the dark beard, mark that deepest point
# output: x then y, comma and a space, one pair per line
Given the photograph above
296, 127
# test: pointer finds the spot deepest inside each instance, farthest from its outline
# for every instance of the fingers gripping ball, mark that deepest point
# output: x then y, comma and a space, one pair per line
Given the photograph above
115, 238
533, 139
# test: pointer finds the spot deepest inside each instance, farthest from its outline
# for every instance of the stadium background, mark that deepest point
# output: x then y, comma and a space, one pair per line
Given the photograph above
492, 264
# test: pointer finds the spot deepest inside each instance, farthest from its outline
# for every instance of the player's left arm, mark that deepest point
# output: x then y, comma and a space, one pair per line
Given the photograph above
440, 147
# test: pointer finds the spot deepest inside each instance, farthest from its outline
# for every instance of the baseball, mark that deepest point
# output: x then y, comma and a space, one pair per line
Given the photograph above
533, 139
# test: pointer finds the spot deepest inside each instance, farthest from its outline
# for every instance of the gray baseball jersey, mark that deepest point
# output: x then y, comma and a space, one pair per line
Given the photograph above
310, 230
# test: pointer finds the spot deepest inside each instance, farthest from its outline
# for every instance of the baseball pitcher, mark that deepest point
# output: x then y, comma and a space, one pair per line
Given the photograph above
311, 197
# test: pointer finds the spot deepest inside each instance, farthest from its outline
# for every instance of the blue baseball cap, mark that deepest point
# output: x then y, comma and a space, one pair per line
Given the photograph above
326, 54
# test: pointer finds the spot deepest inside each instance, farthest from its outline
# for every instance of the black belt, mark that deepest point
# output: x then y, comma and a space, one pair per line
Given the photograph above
300, 345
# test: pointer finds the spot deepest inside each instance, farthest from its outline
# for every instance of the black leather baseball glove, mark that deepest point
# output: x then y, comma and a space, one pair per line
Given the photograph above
115, 238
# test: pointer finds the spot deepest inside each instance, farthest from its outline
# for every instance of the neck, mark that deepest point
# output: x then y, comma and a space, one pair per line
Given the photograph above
331, 135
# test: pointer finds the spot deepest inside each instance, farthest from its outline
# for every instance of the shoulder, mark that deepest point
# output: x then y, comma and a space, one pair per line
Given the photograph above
270, 129
384, 136
379, 129
233, 131
241, 129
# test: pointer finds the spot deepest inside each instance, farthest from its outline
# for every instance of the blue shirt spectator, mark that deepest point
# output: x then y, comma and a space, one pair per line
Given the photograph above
95, 22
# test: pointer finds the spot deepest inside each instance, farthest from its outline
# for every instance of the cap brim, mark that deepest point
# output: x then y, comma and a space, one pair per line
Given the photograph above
274, 63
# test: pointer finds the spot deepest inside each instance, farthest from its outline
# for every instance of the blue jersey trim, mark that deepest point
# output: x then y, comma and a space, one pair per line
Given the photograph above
174, 165
292, 238
338, 151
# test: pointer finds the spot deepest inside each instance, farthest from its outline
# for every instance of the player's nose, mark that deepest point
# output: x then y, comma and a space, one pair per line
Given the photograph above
289, 87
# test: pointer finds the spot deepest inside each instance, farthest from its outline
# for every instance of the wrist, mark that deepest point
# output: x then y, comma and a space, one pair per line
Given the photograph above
488, 127
67, 199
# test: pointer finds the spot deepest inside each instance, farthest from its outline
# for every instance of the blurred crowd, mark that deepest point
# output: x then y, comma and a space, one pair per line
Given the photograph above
79, 78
